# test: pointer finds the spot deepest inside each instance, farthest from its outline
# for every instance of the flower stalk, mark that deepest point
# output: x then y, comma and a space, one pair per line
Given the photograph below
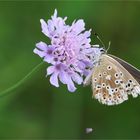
10, 89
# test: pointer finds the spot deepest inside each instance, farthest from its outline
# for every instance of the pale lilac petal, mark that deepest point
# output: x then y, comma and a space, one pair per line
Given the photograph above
54, 79
81, 65
77, 78
84, 39
51, 28
63, 76
77, 69
44, 27
38, 52
60, 28
87, 63
42, 46
50, 70
54, 16
49, 59
71, 86
87, 33
79, 26
86, 72
88, 50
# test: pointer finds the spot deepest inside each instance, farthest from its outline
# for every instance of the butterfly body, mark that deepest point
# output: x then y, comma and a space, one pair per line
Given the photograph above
112, 82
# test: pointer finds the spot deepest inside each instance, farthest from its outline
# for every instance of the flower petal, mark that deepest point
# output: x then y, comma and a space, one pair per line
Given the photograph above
42, 46
63, 76
54, 79
71, 86
81, 65
50, 70
40, 53
79, 26
77, 78
44, 27
51, 28
49, 59
54, 16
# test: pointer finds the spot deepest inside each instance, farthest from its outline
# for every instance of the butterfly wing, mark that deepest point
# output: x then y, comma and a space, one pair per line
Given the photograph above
112, 83
131, 69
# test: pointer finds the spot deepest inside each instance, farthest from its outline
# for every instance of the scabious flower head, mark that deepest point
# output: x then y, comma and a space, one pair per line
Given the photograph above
70, 54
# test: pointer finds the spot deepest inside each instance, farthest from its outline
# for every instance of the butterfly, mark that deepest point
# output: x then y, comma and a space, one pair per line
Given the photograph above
113, 79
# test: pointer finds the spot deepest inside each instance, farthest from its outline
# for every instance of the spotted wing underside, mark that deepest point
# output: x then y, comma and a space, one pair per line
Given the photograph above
112, 83
131, 69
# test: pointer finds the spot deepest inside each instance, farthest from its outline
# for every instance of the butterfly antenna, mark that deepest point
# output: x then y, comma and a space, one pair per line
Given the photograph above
100, 40
108, 46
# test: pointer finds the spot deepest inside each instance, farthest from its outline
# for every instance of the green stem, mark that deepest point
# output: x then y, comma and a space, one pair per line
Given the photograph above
5, 92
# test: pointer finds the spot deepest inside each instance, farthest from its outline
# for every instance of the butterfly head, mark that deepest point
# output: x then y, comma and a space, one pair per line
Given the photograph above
103, 51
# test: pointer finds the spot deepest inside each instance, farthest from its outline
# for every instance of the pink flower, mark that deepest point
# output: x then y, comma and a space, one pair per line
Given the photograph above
70, 53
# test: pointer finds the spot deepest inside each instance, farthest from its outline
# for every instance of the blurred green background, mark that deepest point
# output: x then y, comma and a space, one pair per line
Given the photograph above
38, 110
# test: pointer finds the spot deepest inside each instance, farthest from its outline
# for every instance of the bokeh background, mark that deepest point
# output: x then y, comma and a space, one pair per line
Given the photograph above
38, 110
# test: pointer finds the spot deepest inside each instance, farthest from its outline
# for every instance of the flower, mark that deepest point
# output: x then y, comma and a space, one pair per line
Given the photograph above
69, 54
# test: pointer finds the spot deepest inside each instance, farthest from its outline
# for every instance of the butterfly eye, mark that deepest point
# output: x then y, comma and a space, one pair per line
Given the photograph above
109, 67
102, 50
